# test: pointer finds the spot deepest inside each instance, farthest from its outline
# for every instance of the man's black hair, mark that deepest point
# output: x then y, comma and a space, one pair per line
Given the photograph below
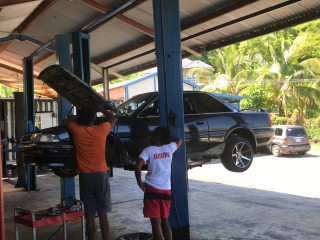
85, 116
163, 134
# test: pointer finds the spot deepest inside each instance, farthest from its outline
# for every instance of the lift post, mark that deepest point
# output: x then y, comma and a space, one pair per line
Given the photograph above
168, 53
28, 85
64, 59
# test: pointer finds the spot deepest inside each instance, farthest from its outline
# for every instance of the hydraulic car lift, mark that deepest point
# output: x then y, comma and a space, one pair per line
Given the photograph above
168, 52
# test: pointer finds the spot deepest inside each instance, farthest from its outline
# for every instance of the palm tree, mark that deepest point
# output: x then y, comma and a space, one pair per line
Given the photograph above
279, 62
232, 69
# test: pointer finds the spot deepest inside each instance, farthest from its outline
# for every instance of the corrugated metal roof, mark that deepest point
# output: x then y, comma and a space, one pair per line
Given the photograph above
125, 44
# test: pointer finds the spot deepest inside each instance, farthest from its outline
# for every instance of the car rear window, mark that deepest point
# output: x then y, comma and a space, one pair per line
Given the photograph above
295, 132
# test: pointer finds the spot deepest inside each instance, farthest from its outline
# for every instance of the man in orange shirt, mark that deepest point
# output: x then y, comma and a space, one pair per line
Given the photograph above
90, 141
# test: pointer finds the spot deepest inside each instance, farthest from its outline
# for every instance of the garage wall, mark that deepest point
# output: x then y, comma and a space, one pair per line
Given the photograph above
147, 85
116, 93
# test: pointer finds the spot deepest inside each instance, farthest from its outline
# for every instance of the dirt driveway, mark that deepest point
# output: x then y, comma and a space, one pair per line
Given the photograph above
277, 198
292, 174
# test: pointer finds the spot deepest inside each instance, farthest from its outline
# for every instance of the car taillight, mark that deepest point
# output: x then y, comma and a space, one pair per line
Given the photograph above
285, 140
308, 139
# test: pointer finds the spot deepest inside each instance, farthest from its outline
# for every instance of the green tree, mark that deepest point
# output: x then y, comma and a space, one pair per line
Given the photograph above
5, 91
278, 61
232, 69
307, 41
255, 97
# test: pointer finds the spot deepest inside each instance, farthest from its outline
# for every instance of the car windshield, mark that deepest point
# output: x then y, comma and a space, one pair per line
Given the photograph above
295, 132
132, 104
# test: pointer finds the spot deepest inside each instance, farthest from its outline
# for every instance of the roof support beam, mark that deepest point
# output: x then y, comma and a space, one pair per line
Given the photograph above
101, 69
43, 7
9, 39
5, 3
108, 16
140, 27
252, 15
215, 12
135, 24
41, 48
189, 50
263, 30
13, 69
42, 58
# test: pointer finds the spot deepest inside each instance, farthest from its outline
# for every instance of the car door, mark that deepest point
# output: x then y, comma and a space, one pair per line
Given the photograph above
196, 128
219, 117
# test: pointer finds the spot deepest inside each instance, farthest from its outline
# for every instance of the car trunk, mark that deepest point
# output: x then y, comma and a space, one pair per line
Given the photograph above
296, 136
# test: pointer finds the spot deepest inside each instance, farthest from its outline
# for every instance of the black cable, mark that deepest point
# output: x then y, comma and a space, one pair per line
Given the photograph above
52, 235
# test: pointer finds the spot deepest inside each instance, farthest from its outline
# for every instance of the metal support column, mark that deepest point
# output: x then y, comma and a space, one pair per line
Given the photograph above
105, 79
28, 85
64, 106
28, 89
168, 53
81, 56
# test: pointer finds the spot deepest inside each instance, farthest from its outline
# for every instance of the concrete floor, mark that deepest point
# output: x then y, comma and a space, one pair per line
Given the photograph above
217, 211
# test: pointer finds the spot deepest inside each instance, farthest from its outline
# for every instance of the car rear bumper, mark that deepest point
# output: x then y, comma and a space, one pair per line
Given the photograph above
296, 148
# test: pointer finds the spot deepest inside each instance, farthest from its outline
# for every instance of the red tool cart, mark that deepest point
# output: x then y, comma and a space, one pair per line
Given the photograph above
70, 209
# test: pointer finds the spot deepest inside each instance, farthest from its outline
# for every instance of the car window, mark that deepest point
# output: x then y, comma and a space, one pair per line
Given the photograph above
206, 103
151, 110
295, 132
278, 132
129, 106
188, 106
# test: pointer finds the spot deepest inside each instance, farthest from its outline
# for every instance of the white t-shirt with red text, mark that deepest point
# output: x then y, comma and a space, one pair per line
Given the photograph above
159, 159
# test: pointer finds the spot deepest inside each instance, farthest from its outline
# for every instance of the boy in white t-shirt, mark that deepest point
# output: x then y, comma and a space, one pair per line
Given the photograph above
157, 187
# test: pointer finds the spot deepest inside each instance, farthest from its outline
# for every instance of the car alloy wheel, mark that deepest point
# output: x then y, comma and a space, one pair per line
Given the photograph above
275, 149
238, 154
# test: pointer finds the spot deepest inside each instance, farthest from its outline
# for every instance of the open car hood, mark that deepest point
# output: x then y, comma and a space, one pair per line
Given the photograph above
72, 88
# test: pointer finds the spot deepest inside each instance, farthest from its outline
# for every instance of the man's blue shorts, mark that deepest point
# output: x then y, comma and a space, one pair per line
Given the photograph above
95, 192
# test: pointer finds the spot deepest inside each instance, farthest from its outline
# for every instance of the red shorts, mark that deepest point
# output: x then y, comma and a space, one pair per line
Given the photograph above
156, 203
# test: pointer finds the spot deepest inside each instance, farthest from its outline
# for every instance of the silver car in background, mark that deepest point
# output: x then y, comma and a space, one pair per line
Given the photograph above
289, 139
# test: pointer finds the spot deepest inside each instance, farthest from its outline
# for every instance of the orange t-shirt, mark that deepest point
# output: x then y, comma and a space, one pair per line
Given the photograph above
90, 144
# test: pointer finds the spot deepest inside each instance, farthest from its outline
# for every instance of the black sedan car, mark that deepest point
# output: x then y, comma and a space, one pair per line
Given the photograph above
213, 129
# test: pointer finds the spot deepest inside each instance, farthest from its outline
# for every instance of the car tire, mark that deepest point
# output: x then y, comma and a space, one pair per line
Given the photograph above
237, 155
302, 153
276, 150
70, 167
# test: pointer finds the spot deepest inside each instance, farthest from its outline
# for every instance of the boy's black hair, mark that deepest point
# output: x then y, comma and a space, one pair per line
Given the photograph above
162, 134
85, 116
